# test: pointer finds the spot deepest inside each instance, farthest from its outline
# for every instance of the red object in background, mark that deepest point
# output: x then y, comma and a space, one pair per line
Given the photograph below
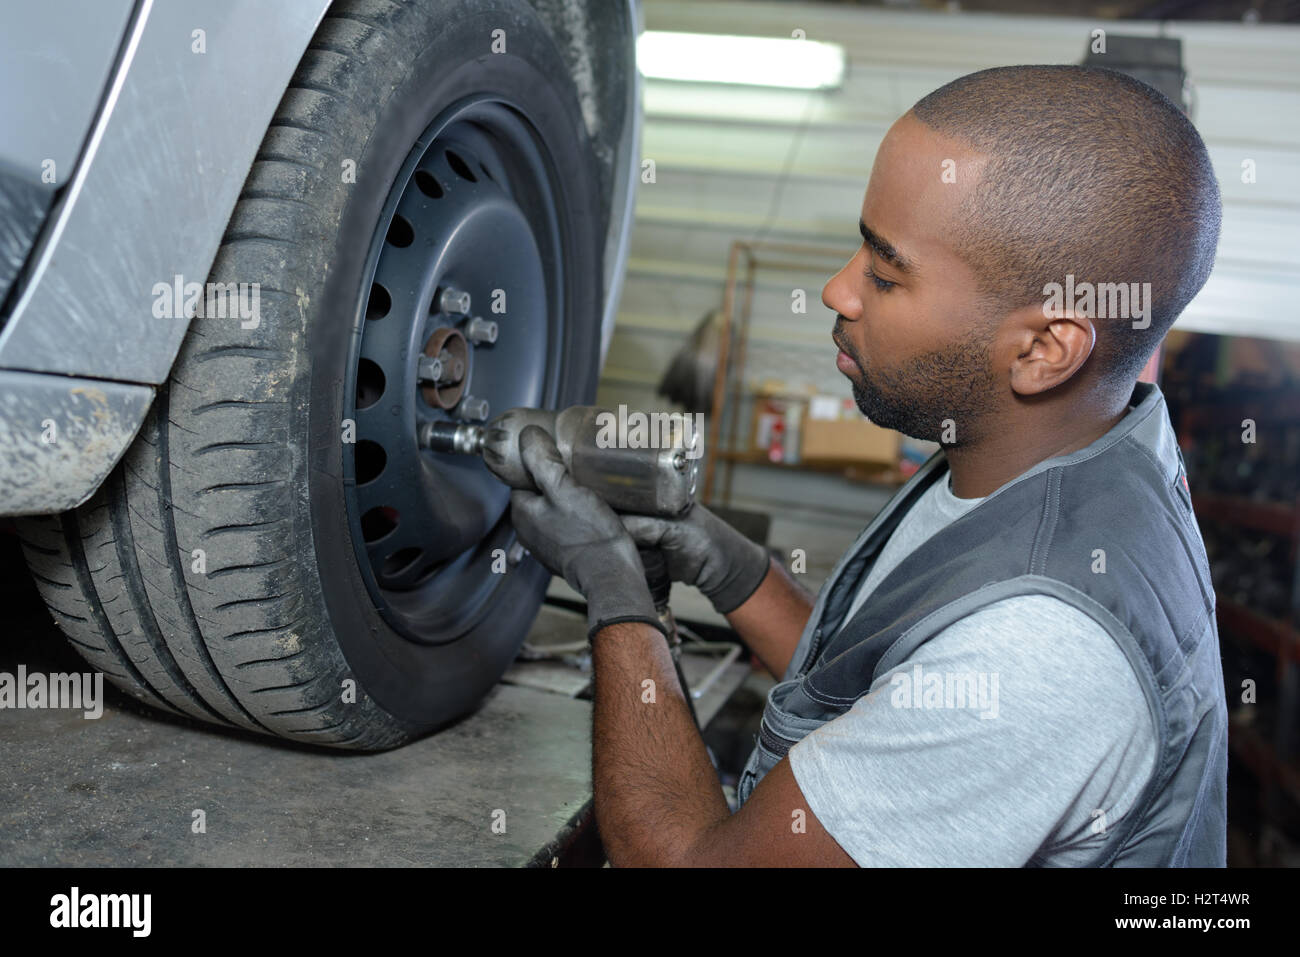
769, 429
776, 448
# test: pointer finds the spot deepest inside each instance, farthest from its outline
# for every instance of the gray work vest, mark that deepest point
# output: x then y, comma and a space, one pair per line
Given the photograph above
1040, 534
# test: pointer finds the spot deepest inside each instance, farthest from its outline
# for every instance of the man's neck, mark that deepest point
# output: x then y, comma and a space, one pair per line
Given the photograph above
1013, 448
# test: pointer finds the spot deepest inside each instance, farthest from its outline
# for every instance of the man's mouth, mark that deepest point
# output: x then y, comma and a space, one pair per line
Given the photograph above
844, 361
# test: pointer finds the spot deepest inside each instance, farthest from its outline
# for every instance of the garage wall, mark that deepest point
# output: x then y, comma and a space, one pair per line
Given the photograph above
791, 165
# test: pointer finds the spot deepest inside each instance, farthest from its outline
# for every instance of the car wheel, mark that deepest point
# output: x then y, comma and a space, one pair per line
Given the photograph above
276, 552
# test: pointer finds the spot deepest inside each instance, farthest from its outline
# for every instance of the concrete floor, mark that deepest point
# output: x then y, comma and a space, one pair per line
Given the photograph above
122, 790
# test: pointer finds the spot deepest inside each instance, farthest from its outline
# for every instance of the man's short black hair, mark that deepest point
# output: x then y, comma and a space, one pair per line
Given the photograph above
1090, 173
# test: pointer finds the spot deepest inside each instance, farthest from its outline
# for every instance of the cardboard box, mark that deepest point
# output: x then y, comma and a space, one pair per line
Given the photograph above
835, 432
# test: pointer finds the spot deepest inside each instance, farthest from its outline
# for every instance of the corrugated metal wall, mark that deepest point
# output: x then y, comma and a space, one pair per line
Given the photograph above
720, 151
732, 162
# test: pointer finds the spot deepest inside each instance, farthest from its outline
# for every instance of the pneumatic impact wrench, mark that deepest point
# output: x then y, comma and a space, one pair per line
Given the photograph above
657, 478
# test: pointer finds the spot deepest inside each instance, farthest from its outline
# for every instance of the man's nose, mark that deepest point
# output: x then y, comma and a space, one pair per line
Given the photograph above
837, 295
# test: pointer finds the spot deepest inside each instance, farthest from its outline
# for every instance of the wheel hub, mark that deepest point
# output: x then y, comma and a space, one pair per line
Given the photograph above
442, 368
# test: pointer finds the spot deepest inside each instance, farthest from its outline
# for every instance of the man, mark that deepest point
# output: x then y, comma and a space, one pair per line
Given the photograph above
1017, 662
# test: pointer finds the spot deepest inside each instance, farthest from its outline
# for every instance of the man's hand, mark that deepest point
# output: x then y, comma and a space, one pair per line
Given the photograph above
573, 532
762, 602
701, 549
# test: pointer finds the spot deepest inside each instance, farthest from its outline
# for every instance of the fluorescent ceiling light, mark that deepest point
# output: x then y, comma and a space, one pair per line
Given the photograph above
759, 61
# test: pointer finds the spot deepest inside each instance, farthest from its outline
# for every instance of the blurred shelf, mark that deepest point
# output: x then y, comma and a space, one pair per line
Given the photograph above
883, 476
1270, 634
1208, 409
1281, 404
1257, 753
1275, 517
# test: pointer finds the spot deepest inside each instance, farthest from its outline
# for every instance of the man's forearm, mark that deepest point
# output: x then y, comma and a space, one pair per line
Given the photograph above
772, 619
656, 792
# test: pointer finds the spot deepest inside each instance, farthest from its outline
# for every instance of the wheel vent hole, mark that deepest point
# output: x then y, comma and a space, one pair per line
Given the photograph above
400, 233
370, 383
487, 172
380, 302
371, 459
428, 184
460, 167
427, 572
401, 560
378, 522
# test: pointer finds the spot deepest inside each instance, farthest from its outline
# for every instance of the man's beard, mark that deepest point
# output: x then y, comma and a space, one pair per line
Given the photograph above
940, 396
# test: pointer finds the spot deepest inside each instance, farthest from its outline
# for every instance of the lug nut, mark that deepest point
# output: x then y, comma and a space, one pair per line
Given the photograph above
443, 369
481, 330
473, 409
454, 302
453, 368
430, 369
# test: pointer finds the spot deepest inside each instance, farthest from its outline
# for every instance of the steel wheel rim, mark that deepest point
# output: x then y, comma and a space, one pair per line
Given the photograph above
472, 209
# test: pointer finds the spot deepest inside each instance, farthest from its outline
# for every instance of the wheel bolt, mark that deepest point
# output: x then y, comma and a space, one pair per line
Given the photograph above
454, 302
481, 330
430, 369
453, 369
473, 409
443, 369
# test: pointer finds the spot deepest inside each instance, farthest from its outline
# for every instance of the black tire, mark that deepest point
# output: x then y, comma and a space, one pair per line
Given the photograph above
242, 455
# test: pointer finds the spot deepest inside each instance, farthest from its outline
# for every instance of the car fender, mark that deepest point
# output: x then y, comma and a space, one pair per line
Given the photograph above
184, 114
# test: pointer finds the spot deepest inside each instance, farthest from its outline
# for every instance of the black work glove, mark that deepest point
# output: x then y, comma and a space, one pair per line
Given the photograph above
702, 550
573, 533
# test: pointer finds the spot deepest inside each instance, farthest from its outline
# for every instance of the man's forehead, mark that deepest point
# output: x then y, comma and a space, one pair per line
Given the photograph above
918, 183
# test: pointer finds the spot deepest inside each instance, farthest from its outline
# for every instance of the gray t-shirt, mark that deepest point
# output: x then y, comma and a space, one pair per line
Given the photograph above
1018, 735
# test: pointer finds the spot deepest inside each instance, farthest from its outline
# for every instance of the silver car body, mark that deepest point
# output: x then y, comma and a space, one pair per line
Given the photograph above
158, 107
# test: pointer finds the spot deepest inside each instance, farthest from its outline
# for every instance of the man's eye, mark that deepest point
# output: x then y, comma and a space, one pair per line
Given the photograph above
883, 285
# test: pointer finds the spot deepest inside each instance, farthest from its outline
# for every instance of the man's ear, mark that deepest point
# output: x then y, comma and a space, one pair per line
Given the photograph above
1042, 351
